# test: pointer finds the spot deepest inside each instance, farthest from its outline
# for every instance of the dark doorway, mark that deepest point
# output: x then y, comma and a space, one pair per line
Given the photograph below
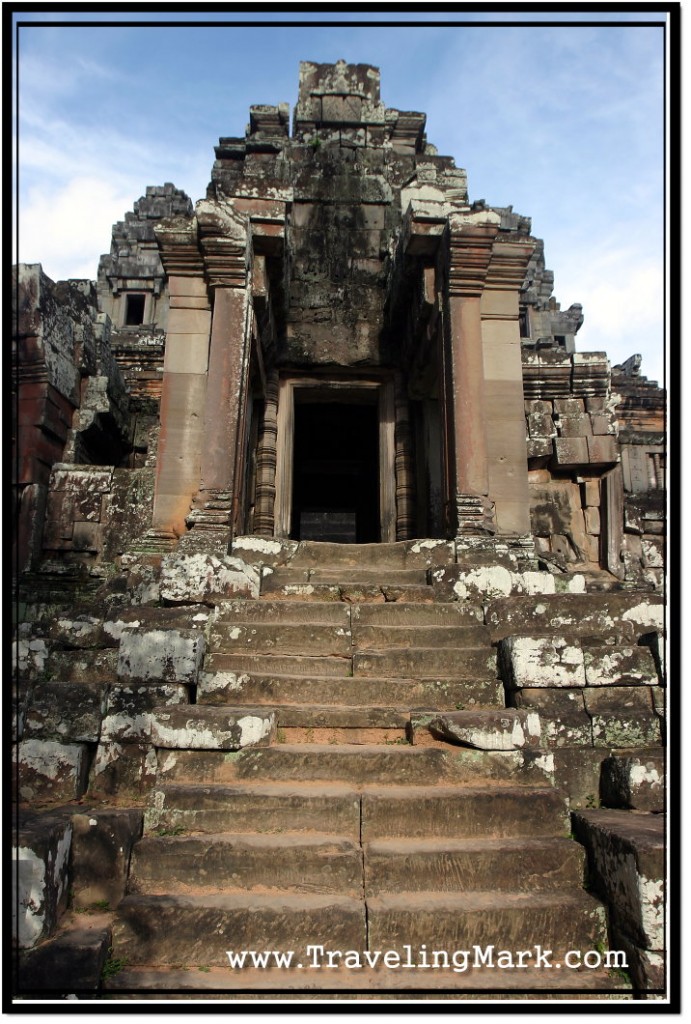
336, 472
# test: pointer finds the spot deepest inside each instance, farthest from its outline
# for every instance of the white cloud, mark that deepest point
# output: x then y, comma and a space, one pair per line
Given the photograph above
68, 227
622, 294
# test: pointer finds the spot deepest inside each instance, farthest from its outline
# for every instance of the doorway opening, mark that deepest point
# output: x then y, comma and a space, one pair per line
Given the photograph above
335, 475
336, 471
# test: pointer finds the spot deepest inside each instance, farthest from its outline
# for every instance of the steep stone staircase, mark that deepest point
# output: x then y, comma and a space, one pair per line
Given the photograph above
355, 827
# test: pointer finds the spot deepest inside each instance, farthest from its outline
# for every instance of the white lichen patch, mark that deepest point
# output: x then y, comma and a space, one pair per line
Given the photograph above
187, 578
647, 616
116, 628
165, 654
211, 682
259, 545
543, 661
254, 729
28, 904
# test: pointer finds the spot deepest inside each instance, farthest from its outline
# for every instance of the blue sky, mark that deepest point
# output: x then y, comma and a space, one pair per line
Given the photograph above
563, 121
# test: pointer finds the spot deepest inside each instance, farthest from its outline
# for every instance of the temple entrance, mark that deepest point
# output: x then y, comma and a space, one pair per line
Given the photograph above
335, 461
336, 472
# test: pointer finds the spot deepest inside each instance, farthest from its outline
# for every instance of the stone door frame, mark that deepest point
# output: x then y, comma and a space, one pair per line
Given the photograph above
383, 387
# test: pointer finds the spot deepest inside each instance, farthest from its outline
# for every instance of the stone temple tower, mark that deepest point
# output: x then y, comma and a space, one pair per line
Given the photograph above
339, 583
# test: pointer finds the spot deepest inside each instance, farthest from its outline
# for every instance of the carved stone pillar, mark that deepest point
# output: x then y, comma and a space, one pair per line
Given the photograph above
185, 369
405, 479
470, 248
266, 461
507, 456
225, 247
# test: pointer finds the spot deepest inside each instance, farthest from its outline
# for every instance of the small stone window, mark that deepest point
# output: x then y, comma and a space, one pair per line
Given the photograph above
524, 322
134, 310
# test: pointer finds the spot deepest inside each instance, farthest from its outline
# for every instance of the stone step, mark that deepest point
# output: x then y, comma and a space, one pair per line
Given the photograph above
463, 765
463, 812
461, 865
286, 638
403, 694
428, 663
393, 637
560, 921
398, 555
311, 716
282, 664
350, 593
351, 764
326, 613
269, 806
370, 575
392, 983
196, 930
410, 613
291, 862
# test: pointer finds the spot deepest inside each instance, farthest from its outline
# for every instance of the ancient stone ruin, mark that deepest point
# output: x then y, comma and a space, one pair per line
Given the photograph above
340, 621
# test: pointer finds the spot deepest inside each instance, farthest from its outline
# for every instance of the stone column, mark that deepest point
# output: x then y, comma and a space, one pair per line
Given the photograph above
224, 242
184, 376
507, 455
266, 461
470, 248
405, 480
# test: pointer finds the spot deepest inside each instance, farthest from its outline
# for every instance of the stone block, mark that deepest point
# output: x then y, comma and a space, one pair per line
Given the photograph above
48, 769
568, 406
80, 631
541, 425
199, 727
40, 876
566, 729
67, 712
624, 699
620, 666
70, 963
571, 451
539, 448
83, 666
101, 845
592, 492
489, 730
30, 657
592, 520
574, 426
190, 579
602, 450
601, 424
646, 967
653, 552
559, 701
634, 781
577, 774
127, 717
127, 770
541, 661
621, 729
626, 855
614, 615
161, 655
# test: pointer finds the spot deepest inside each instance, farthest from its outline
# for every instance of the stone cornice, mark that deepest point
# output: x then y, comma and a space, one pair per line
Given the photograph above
470, 252
508, 263
178, 245
224, 240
